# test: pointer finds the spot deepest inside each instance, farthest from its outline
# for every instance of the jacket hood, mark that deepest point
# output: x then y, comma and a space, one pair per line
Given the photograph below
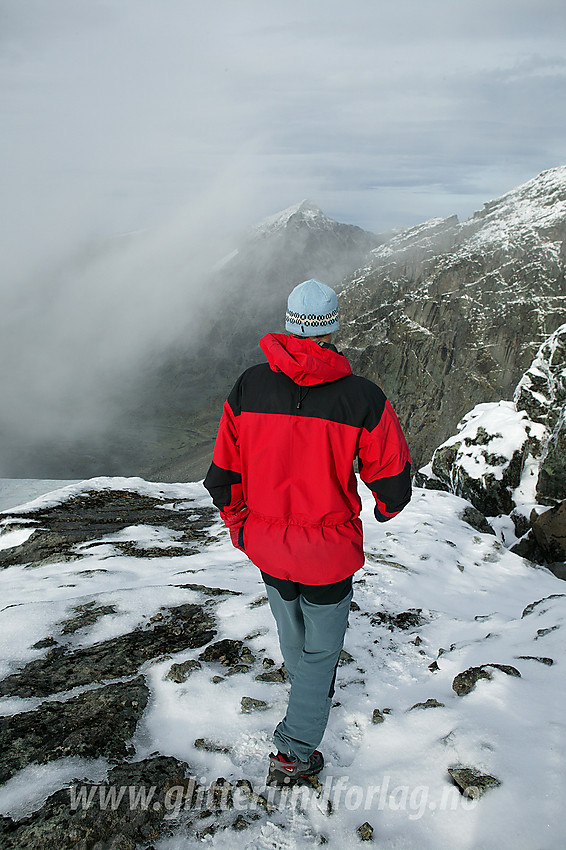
304, 360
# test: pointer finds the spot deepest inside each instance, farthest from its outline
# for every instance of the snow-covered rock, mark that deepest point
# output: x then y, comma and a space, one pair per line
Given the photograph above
542, 393
509, 457
484, 461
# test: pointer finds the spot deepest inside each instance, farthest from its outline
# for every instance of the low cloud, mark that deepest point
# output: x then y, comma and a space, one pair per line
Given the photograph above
189, 120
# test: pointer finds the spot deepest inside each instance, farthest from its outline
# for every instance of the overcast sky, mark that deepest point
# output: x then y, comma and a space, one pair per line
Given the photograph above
183, 117
116, 114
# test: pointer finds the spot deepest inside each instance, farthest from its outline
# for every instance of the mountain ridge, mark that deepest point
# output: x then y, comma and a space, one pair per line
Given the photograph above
447, 315
444, 314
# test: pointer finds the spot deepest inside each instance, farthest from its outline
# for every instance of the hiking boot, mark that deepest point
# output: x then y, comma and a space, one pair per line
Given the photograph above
284, 769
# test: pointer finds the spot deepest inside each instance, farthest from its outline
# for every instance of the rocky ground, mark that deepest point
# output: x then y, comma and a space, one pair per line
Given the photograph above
110, 643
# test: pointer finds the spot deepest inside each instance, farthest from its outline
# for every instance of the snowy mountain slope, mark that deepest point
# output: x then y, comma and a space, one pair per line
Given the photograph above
449, 315
434, 599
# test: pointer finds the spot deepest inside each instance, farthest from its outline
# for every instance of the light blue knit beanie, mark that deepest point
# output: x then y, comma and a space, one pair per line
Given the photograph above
312, 309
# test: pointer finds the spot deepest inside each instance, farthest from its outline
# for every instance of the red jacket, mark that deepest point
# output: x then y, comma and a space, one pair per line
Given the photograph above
282, 471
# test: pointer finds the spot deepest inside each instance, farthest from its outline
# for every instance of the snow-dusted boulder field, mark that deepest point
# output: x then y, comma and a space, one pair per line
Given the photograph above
141, 681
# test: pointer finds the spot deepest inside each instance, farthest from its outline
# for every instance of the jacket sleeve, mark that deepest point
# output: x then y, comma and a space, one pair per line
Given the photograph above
385, 464
224, 477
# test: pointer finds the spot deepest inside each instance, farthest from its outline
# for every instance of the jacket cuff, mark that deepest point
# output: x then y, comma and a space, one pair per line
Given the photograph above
232, 520
381, 517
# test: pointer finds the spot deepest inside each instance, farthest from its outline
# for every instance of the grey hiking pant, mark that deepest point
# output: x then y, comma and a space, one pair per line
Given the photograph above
311, 624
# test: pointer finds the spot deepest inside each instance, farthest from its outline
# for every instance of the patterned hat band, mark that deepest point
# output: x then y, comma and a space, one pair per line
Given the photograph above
311, 320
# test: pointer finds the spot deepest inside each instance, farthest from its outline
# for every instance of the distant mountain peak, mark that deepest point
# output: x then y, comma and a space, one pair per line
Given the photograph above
305, 211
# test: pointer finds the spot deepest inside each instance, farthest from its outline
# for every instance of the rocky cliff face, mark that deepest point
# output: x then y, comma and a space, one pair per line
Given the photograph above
449, 314
542, 393
508, 458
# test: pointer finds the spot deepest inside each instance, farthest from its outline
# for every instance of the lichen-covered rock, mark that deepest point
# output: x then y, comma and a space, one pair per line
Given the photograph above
404, 620
249, 704
429, 703
471, 782
365, 831
278, 675
81, 818
464, 682
91, 516
85, 615
541, 605
542, 659
180, 672
184, 627
210, 746
96, 723
226, 651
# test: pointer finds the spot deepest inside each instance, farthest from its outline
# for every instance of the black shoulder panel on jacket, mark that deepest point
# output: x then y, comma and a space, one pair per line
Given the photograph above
350, 401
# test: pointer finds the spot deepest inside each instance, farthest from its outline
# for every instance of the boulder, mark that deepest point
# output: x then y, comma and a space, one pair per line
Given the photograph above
484, 462
465, 682
477, 520
471, 782
549, 529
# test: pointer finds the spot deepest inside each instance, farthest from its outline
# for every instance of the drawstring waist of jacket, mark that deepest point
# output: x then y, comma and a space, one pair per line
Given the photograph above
285, 521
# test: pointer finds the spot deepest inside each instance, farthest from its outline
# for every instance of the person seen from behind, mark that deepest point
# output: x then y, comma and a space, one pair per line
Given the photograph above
282, 476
